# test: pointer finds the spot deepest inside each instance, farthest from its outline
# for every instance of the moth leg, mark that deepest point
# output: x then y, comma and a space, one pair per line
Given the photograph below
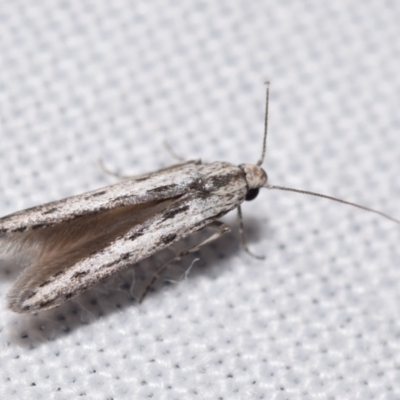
178, 165
172, 153
109, 172
125, 177
221, 229
243, 237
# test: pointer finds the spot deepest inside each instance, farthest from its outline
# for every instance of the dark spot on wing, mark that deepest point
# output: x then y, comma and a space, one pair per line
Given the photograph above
96, 194
111, 264
39, 226
171, 213
218, 181
58, 274
166, 240
122, 257
136, 234
197, 185
161, 189
45, 283
215, 182
69, 296
125, 256
44, 304
79, 274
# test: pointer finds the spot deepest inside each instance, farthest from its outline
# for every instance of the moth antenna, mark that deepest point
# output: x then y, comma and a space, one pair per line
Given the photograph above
264, 147
334, 199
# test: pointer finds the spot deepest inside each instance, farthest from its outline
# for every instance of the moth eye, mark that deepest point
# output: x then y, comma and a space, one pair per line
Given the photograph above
252, 194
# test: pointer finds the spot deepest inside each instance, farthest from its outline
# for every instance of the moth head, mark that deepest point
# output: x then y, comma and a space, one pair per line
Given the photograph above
256, 178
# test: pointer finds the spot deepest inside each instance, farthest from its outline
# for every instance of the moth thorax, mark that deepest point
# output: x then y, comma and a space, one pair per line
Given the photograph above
256, 177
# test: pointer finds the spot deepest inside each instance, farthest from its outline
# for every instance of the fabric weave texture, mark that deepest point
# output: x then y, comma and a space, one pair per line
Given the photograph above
319, 318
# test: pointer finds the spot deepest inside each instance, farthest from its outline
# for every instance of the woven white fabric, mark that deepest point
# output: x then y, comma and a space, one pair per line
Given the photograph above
319, 318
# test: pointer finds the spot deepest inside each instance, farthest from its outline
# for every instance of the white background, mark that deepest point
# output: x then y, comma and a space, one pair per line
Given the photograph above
320, 317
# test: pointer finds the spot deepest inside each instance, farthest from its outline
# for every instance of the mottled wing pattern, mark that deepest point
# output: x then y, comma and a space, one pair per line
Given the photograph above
76, 254
166, 183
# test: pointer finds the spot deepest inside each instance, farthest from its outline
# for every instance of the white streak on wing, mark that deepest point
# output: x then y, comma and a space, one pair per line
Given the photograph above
63, 245
77, 254
126, 192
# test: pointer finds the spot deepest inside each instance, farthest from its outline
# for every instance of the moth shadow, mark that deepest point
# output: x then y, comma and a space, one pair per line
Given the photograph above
124, 289
9, 270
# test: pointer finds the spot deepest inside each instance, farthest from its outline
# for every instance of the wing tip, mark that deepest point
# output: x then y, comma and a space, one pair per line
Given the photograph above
19, 302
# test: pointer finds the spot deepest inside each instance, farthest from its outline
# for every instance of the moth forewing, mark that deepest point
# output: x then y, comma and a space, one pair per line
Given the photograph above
166, 183
86, 247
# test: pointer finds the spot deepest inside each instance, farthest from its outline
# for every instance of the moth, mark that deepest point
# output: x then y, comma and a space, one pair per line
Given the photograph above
72, 244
